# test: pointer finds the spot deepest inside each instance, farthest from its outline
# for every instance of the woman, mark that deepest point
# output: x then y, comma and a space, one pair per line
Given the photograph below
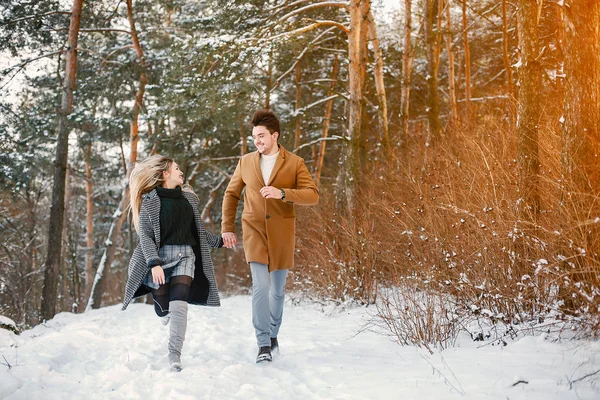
172, 259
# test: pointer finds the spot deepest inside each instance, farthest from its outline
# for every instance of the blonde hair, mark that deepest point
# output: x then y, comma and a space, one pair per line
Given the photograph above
145, 177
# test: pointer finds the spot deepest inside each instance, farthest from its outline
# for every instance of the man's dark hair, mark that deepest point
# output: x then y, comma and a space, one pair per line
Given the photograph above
267, 119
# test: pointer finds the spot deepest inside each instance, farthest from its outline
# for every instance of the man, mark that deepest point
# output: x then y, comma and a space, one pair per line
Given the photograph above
274, 180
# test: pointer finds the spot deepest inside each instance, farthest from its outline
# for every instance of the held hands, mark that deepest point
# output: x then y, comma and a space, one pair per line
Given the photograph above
270, 192
158, 275
229, 239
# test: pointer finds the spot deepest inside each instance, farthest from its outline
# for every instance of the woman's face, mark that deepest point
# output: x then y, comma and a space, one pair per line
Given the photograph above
173, 177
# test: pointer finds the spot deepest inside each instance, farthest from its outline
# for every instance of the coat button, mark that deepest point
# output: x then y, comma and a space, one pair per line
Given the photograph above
268, 216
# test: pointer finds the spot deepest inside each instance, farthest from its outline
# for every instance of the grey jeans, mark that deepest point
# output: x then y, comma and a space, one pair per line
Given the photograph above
268, 292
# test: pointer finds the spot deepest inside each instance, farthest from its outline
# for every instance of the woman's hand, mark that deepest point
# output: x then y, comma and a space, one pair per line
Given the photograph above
158, 275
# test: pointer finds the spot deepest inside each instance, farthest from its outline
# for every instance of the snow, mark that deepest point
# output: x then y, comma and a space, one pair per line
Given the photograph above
7, 321
326, 353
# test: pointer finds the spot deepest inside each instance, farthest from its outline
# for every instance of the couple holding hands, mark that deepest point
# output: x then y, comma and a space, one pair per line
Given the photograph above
172, 259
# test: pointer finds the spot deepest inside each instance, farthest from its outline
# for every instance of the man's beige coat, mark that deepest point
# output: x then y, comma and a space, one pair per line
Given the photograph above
268, 225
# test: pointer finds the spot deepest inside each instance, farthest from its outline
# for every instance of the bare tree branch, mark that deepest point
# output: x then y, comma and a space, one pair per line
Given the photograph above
316, 103
299, 58
309, 28
334, 137
219, 159
205, 216
14, 21
313, 6
283, 6
571, 382
30, 60
89, 30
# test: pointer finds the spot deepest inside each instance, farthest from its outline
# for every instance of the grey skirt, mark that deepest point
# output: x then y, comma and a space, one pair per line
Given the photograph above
177, 260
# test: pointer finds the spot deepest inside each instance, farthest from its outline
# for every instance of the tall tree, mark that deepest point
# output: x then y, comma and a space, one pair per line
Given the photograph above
406, 72
530, 72
120, 215
89, 203
297, 81
581, 128
326, 121
379, 84
467, 61
505, 53
432, 46
450, 52
350, 157
49, 292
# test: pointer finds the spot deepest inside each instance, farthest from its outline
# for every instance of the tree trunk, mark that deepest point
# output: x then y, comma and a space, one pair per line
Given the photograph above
433, 98
380, 86
505, 54
139, 96
406, 72
350, 156
120, 215
64, 275
326, 121
529, 109
49, 291
89, 233
269, 80
243, 142
467, 54
95, 299
205, 215
31, 308
297, 79
581, 128
451, 77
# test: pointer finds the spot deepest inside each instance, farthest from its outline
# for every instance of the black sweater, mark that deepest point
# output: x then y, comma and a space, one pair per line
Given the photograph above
177, 226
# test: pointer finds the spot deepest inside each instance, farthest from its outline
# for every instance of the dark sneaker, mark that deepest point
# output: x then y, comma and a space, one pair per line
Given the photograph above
264, 354
274, 345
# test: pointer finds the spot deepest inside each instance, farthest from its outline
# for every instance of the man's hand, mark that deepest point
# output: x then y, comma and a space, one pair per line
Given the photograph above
229, 239
158, 275
270, 192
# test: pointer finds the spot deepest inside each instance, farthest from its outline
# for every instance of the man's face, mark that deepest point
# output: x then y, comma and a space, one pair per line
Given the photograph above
265, 142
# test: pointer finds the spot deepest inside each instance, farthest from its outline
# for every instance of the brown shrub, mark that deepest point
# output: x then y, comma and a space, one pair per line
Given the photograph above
448, 216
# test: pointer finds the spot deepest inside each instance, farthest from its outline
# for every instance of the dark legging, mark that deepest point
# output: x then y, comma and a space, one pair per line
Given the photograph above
176, 289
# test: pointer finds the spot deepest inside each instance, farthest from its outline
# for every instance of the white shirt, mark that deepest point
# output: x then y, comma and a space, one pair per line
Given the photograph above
266, 165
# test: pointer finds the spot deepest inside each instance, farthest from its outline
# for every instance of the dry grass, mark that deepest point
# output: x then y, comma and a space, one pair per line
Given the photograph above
419, 317
447, 216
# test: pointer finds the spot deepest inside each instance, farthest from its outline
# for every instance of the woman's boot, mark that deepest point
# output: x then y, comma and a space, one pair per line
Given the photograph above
178, 311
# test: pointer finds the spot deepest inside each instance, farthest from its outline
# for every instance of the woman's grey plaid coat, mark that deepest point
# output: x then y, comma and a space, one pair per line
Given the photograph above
204, 286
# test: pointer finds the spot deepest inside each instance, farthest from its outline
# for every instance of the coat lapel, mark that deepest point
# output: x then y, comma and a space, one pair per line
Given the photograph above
154, 206
278, 164
256, 164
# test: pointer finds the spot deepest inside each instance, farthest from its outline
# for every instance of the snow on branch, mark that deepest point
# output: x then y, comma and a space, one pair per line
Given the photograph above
309, 28
284, 6
14, 21
482, 99
88, 30
334, 137
313, 6
316, 103
29, 60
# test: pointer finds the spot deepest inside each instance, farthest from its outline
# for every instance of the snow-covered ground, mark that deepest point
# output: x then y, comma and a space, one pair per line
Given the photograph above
325, 354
